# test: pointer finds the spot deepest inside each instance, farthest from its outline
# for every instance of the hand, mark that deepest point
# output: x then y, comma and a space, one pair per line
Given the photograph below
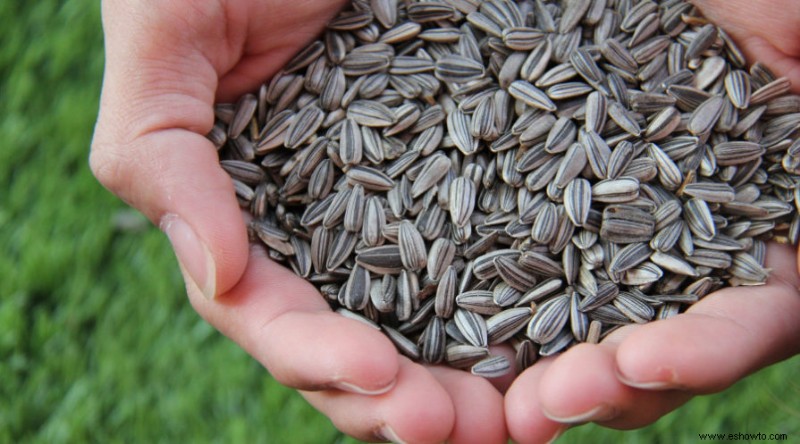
167, 63
640, 373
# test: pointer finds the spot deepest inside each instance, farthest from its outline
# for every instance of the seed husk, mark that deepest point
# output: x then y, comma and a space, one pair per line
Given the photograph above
531, 95
433, 348
404, 345
459, 69
473, 327
492, 367
370, 178
384, 259
464, 355
413, 253
478, 301
549, 319
356, 293
578, 200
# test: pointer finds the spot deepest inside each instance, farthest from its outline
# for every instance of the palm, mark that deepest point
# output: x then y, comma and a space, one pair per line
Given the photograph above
262, 37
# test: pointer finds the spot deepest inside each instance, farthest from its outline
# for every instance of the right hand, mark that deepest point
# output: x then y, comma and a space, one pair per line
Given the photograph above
640, 373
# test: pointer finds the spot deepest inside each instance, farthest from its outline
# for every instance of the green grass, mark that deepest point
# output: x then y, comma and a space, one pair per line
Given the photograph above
97, 340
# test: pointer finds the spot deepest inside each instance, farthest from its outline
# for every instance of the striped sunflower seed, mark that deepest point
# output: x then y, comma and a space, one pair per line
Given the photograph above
549, 319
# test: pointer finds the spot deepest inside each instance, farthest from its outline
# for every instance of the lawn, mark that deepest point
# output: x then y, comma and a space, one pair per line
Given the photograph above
97, 340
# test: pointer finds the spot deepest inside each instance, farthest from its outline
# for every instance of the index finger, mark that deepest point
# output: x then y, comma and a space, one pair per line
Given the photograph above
285, 324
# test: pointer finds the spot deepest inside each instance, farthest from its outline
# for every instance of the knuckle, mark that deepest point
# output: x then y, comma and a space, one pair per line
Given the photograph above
108, 166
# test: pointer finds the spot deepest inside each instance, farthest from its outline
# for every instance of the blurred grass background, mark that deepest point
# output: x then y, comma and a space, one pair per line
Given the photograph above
97, 340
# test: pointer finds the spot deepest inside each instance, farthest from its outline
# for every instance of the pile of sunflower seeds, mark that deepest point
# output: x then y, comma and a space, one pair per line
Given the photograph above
464, 173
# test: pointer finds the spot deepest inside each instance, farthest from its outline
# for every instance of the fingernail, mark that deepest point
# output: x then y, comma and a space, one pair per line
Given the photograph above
652, 385
666, 383
600, 413
352, 388
193, 256
387, 434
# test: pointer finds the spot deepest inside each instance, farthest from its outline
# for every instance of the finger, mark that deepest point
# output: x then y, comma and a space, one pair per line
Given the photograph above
284, 323
764, 33
722, 338
759, 49
747, 17
581, 386
524, 417
276, 30
417, 409
478, 407
149, 147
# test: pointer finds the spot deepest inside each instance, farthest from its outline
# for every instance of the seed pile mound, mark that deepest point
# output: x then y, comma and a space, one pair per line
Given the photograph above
464, 173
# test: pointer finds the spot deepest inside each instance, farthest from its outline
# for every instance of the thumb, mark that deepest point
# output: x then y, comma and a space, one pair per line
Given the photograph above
149, 147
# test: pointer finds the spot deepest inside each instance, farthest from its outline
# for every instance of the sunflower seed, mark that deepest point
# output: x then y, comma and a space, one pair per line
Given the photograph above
458, 69
370, 178
407, 288
673, 264
356, 295
245, 109
473, 327
304, 125
579, 321
548, 320
412, 247
629, 256
624, 189
634, 308
663, 124
340, 249
625, 224
478, 301
748, 269
705, 116
433, 348
531, 95
464, 355
403, 344
578, 199
274, 238
699, 219
735, 153
492, 367
384, 259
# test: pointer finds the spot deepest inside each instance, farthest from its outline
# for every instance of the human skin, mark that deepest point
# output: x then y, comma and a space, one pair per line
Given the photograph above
168, 62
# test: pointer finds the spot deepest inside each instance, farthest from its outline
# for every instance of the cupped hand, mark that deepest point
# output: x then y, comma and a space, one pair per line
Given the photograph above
167, 62
640, 373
